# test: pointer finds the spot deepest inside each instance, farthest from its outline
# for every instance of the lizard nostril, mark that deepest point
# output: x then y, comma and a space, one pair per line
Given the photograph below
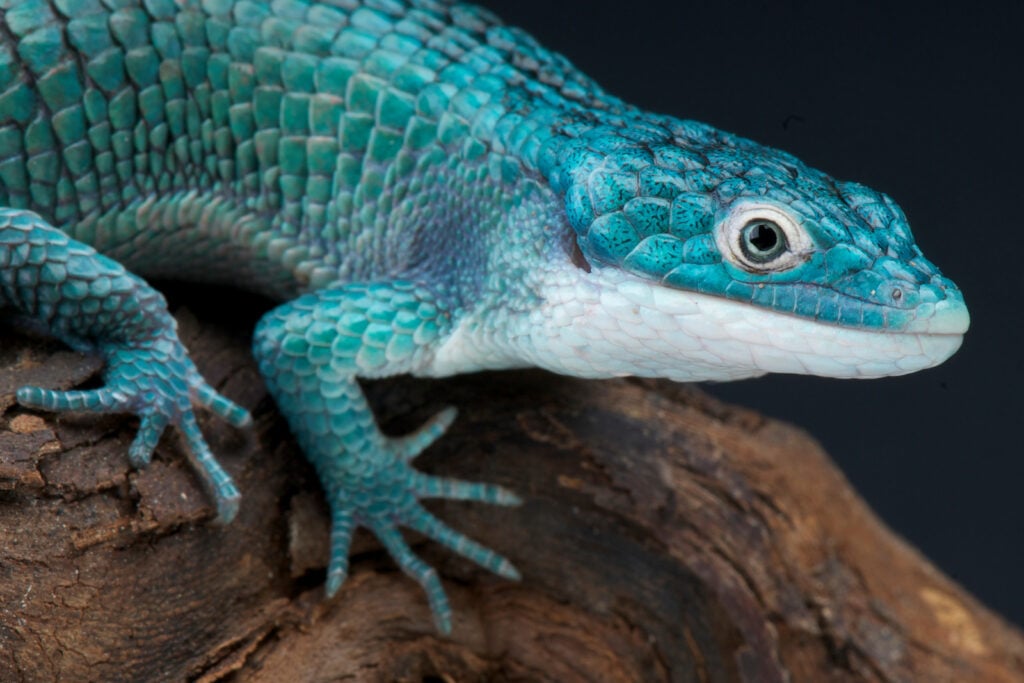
897, 294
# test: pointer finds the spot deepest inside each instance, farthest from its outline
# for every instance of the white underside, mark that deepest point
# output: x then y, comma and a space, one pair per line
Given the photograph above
608, 323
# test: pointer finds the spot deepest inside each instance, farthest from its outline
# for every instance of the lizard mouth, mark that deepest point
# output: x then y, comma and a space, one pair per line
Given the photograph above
788, 343
936, 333
785, 343
948, 317
607, 323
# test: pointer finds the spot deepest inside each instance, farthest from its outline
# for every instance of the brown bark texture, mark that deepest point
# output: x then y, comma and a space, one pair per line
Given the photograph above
665, 536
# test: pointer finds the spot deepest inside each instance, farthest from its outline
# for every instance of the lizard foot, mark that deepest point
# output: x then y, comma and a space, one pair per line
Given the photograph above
383, 493
157, 381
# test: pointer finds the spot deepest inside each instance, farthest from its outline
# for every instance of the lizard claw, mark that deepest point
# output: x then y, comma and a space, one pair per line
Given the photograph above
409, 446
212, 400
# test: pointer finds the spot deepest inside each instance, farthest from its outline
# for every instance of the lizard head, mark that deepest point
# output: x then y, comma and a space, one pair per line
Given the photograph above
746, 261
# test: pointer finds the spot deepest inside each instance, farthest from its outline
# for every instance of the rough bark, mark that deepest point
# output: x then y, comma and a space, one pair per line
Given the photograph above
665, 537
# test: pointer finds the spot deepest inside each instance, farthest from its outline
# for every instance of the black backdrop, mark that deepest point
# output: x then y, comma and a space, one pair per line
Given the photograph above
925, 103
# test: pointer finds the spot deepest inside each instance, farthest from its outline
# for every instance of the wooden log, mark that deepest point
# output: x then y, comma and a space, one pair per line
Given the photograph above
665, 537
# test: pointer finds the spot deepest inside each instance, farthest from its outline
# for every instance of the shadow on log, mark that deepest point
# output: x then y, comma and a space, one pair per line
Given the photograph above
665, 537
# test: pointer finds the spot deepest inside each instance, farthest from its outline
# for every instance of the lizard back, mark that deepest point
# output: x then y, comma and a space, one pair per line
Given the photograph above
290, 144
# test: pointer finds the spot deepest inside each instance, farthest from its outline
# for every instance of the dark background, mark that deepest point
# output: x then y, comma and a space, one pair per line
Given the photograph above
925, 103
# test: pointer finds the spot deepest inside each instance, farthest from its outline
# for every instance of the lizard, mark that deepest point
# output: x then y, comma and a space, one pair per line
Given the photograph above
422, 190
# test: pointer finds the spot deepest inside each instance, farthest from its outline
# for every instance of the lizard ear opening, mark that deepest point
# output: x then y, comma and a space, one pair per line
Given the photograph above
576, 255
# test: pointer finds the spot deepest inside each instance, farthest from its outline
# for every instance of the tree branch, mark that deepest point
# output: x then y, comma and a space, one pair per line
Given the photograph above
665, 537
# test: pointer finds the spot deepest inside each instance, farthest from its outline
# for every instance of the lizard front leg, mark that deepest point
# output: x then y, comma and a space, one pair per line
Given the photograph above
95, 305
310, 352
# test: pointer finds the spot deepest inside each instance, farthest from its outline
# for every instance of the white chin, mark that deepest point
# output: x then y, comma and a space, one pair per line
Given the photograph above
607, 323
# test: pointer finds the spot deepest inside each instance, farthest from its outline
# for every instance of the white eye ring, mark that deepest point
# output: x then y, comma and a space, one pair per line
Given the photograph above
762, 238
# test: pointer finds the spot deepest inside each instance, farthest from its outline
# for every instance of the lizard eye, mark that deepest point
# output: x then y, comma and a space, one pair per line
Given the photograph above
762, 241
762, 238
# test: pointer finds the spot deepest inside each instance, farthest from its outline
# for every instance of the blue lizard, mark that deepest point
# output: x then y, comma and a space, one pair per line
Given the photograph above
429, 192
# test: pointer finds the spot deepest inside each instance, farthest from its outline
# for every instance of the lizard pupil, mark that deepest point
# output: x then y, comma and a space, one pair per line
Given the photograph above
763, 237
763, 241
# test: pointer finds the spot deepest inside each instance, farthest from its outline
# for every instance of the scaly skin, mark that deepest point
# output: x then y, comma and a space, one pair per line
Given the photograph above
430, 192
